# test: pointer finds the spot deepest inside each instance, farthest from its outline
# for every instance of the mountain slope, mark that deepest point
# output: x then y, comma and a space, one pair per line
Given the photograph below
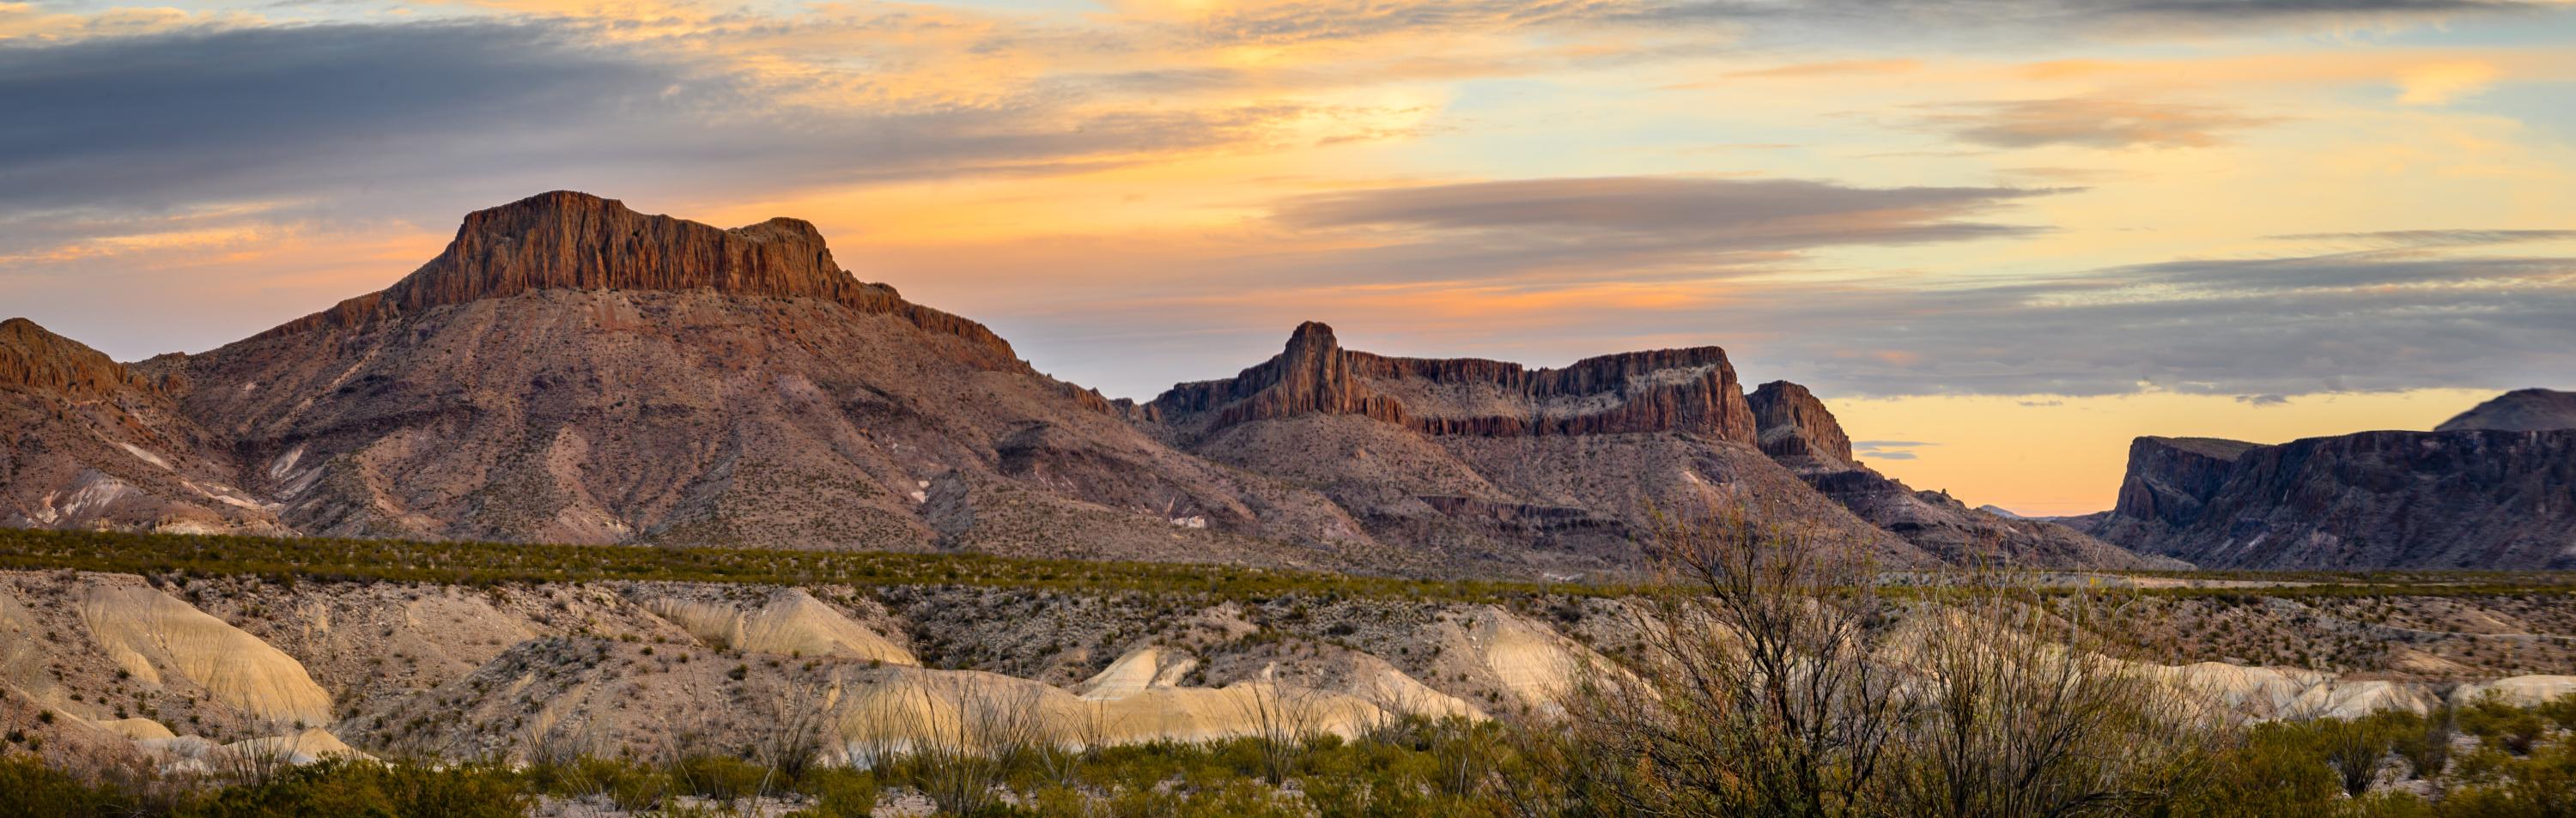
1494, 464
2471, 498
2521, 410
569, 370
1798, 431
91, 443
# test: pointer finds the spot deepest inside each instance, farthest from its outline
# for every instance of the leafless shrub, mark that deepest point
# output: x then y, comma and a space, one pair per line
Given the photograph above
961, 750
1757, 693
2014, 711
789, 741
1280, 720
257, 761
1778, 680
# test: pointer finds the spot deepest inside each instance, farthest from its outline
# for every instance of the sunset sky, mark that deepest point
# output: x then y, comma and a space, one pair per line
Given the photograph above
2000, 237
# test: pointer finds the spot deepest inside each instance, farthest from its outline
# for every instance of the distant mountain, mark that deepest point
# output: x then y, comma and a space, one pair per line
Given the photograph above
2521, 410
1483, 461
570, 370
1798, 431
2468, 498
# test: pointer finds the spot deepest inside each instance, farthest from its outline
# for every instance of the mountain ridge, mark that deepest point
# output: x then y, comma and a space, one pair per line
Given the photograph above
2465, 498
569, 370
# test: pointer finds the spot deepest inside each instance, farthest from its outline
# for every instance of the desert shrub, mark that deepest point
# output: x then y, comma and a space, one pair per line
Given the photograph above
2494, 784
2356, 749
30, 789
838, 792
367, 789
723, 778
2276, 769
2560, 711
2494, 721
2425, 741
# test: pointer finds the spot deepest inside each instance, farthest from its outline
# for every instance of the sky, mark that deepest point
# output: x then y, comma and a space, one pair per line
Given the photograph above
2000, 237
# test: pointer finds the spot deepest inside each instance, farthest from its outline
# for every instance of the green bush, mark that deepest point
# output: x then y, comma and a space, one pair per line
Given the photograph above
29, 789
2494, 721
723, 778
367, 789
838, 793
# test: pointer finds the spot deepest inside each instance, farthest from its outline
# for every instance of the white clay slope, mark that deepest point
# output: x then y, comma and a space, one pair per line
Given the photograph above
155, 637
793, 623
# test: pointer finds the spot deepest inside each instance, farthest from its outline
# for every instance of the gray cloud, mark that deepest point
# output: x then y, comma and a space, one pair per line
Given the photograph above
2250, 327
2436, 238
2257, 327
424, 121
2432, 314
1988, 19
1691, 212
1288, 23
2089, 122
1888, 449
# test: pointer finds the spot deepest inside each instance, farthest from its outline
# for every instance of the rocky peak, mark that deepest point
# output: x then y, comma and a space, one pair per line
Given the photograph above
2521, 410
32, 357
1792, 422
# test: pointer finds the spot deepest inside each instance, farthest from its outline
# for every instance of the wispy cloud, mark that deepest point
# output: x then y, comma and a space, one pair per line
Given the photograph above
1702, 213
2434, 238
1889, 449
2095, 122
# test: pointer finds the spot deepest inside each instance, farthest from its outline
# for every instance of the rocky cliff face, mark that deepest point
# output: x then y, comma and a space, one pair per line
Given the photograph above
1792, 422
2521, 410
1673, 390
2473, 499
2168, 485
91, 443
1799, 432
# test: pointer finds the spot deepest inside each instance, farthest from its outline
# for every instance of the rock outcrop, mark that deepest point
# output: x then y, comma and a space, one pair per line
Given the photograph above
1792, 423
1799, 432
35, 360
2469, 498
2521, 410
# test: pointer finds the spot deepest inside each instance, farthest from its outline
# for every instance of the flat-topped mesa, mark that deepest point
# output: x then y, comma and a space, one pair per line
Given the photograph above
32, 357
1690, 390
1792, 423
565, 240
